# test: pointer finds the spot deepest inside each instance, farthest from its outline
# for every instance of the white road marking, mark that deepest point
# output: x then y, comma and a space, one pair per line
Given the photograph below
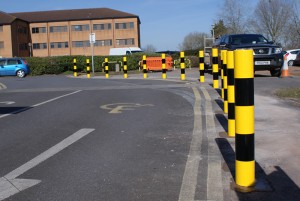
214, 174
39, 104
2, 86
189, 181
9, 185
7, 102
117, 108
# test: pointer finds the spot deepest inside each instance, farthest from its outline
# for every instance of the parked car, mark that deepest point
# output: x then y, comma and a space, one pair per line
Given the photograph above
291, 56
14, 67
297, 60
267, 56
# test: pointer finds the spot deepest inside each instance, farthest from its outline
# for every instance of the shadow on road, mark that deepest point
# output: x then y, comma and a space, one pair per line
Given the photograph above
13, 110
283, 187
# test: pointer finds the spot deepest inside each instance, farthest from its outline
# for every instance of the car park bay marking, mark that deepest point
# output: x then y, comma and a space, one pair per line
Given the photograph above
10, 185
38, 104
117, 108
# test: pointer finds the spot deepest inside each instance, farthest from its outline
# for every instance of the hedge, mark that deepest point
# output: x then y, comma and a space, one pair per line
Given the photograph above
61, 64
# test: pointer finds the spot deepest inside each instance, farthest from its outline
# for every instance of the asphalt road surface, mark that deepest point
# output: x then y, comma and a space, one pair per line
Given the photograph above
114, 139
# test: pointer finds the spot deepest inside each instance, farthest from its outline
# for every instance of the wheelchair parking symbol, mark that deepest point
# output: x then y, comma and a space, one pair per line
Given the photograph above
117, 108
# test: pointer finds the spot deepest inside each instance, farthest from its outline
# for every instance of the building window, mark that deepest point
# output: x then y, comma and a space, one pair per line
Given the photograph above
38, 30
23, 46
1, 44
128, 25
1, 28
22, 30
59, 45
81, 44
102, 26
128, 41
58, 29
85, 27
39, 46
103, 43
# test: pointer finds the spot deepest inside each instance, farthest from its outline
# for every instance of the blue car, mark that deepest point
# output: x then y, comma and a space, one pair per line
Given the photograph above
14, 67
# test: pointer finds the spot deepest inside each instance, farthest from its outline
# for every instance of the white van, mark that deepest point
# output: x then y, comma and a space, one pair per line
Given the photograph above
124, 51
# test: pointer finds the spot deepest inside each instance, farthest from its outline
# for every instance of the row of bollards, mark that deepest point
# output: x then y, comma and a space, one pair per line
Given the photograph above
144, 65
237, 91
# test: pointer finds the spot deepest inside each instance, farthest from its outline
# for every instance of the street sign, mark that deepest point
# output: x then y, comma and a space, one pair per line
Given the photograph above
92, 37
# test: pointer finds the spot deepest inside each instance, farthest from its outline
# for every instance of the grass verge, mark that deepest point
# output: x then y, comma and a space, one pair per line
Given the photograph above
292, 94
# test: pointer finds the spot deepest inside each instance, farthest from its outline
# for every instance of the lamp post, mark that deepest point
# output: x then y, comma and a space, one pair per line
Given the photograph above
213, 32
30, 50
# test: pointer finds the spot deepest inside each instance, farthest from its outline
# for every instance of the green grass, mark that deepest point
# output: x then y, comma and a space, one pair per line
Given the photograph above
288, 93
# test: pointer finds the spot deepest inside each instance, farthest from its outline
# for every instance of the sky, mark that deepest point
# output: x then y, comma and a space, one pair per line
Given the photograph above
164, 23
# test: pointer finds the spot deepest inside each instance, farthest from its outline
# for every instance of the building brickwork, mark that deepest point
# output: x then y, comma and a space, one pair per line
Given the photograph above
66, 32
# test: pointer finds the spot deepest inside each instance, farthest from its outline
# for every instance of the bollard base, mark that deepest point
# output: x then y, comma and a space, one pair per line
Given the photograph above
261, 185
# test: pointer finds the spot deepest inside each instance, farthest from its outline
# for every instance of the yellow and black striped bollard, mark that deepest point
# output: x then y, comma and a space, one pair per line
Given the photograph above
125, 67
88, 69
182, 66
145, 66
215, 68
222, 74
106, 68
201, 66
225, 86
244, 118
230, 90
163, 66
75, 67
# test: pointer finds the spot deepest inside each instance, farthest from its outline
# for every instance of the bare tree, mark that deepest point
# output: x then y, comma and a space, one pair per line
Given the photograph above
271, 18
233, 14
193, 41
292, 33
149, 48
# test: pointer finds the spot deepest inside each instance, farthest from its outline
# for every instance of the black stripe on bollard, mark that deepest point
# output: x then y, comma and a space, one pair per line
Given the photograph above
245, 90
244, 147
201, 60
215, 60
231, 114
230, 78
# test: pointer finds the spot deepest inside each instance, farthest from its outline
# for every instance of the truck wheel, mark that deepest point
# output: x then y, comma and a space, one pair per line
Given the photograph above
275, 73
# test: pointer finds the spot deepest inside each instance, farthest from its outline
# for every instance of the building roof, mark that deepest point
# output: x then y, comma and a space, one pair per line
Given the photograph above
6, 18
72, 15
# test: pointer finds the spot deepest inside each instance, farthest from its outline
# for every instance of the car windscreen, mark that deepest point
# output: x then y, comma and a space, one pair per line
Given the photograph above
247, 39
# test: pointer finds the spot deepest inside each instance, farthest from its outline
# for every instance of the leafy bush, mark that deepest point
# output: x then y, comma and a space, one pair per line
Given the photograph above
61, 64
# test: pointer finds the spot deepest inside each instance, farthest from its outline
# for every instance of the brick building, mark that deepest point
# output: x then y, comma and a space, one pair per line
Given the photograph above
66, 32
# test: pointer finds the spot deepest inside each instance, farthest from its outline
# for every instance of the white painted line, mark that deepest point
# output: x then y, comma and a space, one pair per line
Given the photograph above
9, 185
214, 174
39, 104
7, 102
2, 86
189, 180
